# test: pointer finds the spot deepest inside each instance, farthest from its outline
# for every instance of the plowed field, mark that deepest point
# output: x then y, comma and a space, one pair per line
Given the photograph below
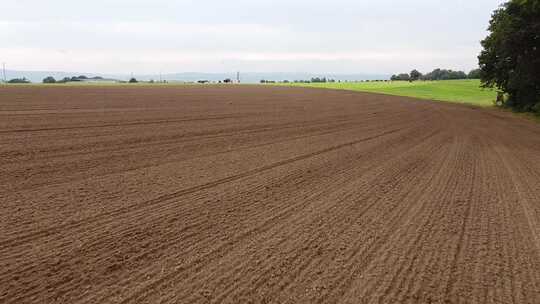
247, 194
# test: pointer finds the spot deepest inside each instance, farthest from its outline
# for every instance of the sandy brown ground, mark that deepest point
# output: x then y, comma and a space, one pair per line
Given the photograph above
263, 195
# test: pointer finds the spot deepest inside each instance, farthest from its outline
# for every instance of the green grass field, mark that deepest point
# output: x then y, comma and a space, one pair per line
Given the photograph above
459, 91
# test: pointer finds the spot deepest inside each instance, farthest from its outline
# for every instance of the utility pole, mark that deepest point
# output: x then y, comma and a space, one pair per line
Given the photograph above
238, 77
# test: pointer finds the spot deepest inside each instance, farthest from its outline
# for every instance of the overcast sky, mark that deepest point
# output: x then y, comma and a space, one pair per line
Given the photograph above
332, 36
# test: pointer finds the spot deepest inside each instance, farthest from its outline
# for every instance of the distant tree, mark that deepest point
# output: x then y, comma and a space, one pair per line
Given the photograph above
510, 59
318, 80
474, 74
415, 75
433, 75
19, 80
458, 75
64, 80
49, 79
442, 74
132, 80
403, 77
227, 80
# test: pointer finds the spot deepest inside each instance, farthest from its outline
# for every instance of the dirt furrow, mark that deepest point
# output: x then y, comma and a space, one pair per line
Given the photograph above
255, 194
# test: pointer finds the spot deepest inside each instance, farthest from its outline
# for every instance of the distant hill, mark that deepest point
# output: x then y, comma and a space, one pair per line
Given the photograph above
248, 77
37, 76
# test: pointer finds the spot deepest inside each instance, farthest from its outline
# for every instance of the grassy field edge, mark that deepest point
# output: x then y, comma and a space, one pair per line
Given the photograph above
455, 91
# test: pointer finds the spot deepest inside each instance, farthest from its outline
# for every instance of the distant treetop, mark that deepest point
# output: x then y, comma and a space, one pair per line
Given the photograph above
437, 74
49, 79
19, 80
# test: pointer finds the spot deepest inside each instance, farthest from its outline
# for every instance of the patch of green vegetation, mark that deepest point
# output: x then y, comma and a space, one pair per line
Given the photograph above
459, 91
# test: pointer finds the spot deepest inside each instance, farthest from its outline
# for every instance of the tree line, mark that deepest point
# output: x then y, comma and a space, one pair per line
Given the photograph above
312, 80
50, 79
18, 80
437, 74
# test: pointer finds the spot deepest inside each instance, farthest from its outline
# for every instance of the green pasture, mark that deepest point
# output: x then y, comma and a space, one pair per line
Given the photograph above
459, 91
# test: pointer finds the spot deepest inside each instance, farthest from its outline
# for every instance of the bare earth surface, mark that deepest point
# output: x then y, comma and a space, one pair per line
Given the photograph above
247, 194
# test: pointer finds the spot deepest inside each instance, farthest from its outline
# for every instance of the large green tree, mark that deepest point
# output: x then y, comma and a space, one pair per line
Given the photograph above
510, 59
415, 75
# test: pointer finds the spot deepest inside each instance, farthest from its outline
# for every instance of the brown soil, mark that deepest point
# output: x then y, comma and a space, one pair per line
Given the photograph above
247, 194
